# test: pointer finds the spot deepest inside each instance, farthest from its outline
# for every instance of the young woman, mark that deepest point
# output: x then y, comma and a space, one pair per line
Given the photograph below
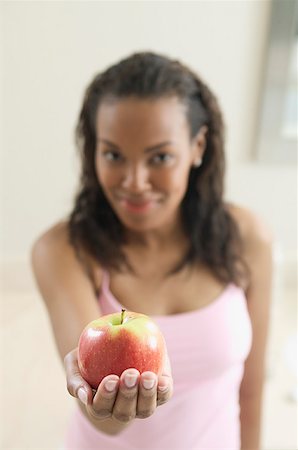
150, 231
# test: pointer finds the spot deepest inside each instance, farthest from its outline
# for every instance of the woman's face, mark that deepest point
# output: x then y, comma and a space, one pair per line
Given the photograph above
143, 158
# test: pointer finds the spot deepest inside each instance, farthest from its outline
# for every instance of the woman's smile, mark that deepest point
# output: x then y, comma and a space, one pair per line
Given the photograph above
137, 204
137, 207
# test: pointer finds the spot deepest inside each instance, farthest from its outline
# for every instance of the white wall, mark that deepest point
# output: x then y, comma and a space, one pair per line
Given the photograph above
50, 51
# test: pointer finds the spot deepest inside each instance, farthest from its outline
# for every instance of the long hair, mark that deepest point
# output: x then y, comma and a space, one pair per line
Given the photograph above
213, 234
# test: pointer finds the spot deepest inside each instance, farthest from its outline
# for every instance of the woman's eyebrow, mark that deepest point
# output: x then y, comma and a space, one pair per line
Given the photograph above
148, 149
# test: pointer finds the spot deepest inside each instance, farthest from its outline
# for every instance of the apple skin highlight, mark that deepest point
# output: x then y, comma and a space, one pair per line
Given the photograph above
107, 346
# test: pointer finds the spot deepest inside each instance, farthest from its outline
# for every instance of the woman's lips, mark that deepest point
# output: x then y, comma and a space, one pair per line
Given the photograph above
137, 206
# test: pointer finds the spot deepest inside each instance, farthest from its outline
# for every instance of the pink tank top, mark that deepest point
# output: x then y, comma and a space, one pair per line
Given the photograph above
207, 348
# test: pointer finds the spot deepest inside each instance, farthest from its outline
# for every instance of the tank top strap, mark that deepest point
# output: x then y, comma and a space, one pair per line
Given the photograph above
105, 283
107, 301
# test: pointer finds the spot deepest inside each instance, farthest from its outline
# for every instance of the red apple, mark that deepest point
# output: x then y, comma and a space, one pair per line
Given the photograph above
116, 342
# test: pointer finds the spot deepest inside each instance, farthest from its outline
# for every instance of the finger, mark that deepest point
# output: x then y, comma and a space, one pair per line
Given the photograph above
126, 402
76, 385
164, 389
165, 382
104, 399
147, 397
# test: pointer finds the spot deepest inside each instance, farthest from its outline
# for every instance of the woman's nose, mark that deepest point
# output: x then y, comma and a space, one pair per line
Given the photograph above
135, 179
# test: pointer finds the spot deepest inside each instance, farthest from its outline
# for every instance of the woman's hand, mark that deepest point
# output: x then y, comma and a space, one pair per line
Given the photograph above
131, 396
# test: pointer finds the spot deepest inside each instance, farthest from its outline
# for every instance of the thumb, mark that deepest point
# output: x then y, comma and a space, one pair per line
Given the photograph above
76, 385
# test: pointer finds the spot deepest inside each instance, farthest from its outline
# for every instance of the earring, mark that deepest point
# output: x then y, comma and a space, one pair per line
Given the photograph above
197, 163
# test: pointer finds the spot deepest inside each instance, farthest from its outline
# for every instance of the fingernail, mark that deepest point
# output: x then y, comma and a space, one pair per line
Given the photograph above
111, 385
82, 394
163, 388
148, 383
130, 380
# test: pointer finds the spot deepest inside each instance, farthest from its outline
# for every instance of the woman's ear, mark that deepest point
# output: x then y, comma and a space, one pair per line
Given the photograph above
199, 146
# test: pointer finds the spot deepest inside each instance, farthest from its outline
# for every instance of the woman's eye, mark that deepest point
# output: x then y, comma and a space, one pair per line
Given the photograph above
112, 156
161, 158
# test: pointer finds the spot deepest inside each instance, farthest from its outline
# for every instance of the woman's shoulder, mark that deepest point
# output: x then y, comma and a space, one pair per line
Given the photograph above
257, 243
252, 226
53, 244
53, 239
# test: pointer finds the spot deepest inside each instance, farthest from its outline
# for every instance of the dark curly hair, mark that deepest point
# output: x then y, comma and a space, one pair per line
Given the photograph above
213, 234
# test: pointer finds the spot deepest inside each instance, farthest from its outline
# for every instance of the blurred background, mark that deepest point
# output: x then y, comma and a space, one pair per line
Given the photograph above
247, 53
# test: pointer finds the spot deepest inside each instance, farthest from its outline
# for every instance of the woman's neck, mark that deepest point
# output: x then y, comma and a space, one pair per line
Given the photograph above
171, 234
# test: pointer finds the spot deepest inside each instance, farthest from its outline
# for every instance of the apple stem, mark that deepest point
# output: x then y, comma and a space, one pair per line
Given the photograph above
122, 315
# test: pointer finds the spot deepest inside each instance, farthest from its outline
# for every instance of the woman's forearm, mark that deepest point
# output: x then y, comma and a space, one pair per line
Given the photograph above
250, 417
